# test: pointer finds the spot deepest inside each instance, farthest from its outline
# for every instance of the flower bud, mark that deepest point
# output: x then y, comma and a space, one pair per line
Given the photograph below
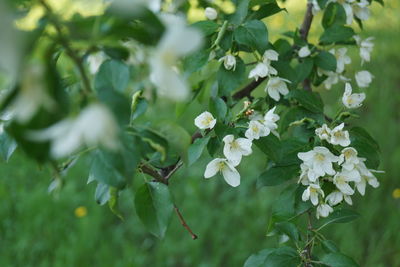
363, 78
229, 62
211, 13
304, 51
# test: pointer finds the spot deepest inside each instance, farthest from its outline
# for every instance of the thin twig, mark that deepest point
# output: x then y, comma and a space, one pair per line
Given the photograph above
310, 241
70, 52
184, 224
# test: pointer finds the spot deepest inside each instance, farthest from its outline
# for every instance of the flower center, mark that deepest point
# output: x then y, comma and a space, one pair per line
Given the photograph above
234, 145
221, 165
319, 157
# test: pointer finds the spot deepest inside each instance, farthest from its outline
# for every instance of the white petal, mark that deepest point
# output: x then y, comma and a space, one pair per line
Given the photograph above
212, 168
231, 176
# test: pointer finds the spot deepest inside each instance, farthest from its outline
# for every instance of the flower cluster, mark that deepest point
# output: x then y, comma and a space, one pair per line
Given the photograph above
347, 172
235, 148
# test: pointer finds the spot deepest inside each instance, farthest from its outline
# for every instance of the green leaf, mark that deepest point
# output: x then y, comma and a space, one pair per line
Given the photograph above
338, 260
139, 108
229, 80
102, 194
213, 146
112, 74
283, 207
269, 145
366, 146
218, 108
7, 145
289, 229
265, 11
334, 15
207, 27
154, 207
277, 175
335, 34
304, 70
253, 34
307, 99
283, 257
325, 61
178, 138
113, 202
195, 61
329, 246
240, 12
103, 171
196, 149
339, 216
298, 113
117, 102
258, 259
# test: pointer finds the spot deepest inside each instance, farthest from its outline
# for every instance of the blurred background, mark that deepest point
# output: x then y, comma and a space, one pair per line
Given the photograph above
70, 229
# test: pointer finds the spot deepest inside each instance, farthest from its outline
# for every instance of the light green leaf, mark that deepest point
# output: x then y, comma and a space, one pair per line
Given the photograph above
218, 108
154, 207
240, 13
7, 146
207, 27
102, 194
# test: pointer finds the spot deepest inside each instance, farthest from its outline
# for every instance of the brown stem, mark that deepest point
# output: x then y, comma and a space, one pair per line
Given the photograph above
304, 30
308, 248
183, 222
246, 91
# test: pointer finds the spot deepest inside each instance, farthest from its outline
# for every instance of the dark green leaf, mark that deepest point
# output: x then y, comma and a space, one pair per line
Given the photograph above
309, 100
336, 34
229, 80
277, 175
334, 14
289, 229
154, 207
338, 260
178, 138
366, 146
329, 246
339, 216
283, 257
196, 149
304, 70
258, 259
195, 61
253, 34
112, 74
325, 61
265, 11
240, 12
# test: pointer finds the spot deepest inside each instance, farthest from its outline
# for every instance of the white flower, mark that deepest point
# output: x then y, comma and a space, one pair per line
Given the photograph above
342, 179
260, 71
270, 119
31, 96
348, 159
340, 137
324, 133
229, 62
95, 60
361, 10
270, 55
366, 177
234, 149
366, 47
177, 41
94, 126
363, 78
352, 100
311, 193
277, 86
315, 7
227, 168
336, 197
320, 159
332, 78
205, 121
304, 51
341, 58
211, 13
323, 210
307, 175
256, 130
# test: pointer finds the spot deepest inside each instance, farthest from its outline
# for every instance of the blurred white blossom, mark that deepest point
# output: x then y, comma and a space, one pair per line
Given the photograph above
352, 100
205, 121
211, 13
363, 78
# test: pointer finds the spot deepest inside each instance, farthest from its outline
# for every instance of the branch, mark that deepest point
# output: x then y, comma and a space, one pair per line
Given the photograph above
304, 30
308, 248
70, 52
246, 91
184, 224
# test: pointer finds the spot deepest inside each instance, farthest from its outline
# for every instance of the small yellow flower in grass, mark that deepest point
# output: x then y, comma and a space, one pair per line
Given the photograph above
80, 211
396, 193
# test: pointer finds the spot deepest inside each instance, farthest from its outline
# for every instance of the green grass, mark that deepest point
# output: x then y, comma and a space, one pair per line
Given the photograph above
38, 229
